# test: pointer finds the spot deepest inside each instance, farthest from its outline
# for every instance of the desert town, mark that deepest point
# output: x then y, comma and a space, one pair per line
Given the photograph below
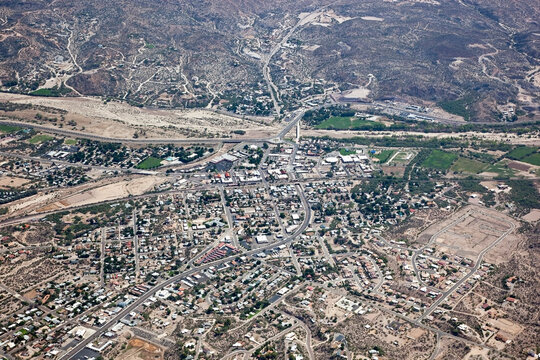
292, 180
297, 247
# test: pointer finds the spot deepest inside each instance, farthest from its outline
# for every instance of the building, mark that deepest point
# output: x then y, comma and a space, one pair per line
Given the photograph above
222, 163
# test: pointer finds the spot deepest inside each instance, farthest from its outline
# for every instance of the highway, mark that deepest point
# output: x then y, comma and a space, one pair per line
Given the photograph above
139, 301
291, 124
153, 141
85, 135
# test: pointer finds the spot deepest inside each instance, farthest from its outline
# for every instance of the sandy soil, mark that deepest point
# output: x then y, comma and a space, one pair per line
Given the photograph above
30, 202
85, 194
140, 349
122, 120
477, 353
324, 18
416, 332
371, 18
9, 181
533, 216
113, 191
474, 233
396, 170
358, 93
509, 138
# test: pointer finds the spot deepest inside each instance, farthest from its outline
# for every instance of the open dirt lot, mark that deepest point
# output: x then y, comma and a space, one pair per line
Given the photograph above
113, 191
7, 182
396, 170
86, 194
140, 349
471, 230
533, 216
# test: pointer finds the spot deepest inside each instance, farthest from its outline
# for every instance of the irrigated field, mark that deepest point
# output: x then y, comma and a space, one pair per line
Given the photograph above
440, 160
533, 159
469, 166
521, 152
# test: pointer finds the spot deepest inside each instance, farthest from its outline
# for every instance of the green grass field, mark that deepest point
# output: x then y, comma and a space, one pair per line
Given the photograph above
70, 141
439, 159
349, 123
533, 159
384, 155
149, 163
52, 92
500, 169
8, 129
37, 139
469, 166
345, 152
335, 122
521, 152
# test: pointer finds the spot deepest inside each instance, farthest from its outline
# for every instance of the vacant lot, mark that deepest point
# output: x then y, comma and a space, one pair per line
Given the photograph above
440, 160
12, 182
394, 170
141, 349
120, 189
120, 120
469, 231
469, 166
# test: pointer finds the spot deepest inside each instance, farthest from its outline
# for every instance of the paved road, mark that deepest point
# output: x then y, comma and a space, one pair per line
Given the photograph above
38, 216
266, 58
302, 324
85, 135
154, 141
431, 240
471, 273
139, 301
228, 214
291, 124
